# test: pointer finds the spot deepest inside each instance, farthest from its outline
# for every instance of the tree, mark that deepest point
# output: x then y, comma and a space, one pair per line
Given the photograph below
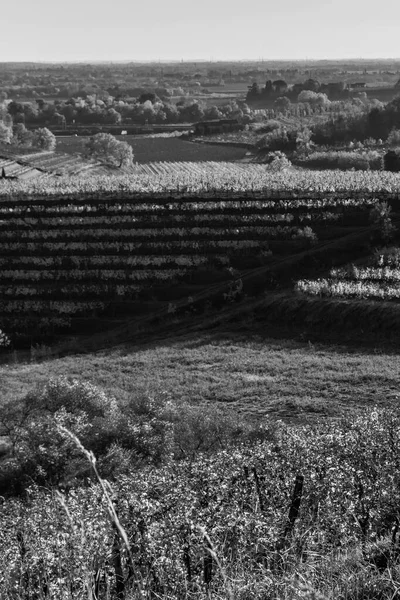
105, 147
303, 141
392, 161
282, 103
5, 133
280, 86
113, 116
269, 88
21, 136
254, 91
313, 98
311, 84
213, 113
394, 137
148, 96
44, 139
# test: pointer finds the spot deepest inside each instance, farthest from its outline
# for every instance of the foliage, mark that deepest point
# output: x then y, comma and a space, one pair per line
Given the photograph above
282, 103
394, 137
223, 525
23, 137
280, 139
4, 340
380, 215
105, 147
123, 434
380, 281
5, 133
344, 160
211, 179
391, 161
306, 233
277, 161
314, 98
44, 139
304, 144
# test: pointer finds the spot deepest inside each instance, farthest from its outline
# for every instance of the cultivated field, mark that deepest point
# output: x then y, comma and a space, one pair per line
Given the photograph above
237, 466
70, 255
147, 149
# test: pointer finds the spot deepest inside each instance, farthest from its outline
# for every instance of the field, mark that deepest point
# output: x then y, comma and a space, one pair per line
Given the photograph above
147, 149
377, 279
246, 372
70, 260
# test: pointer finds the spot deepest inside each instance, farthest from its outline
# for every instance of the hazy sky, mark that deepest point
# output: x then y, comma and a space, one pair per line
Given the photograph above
51, 30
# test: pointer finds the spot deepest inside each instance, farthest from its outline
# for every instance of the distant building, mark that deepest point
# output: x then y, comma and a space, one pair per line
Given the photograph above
359, 85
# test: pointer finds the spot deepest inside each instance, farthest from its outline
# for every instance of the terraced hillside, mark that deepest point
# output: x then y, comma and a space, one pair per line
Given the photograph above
26, 166
90, 259
21, 170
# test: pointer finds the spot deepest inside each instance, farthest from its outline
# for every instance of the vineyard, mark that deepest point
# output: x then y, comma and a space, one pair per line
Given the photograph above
379, 280
14, 168
28, 166
215, 180
70, 257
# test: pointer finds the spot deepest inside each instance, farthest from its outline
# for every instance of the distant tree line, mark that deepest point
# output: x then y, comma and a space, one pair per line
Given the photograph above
107, 110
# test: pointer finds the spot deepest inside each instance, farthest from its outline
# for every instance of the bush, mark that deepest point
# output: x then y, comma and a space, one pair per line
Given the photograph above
387, 257
277, 161
278, 139
145, 430
306, 234
380, 215
391, 161
269, 126
359, 161
394, 137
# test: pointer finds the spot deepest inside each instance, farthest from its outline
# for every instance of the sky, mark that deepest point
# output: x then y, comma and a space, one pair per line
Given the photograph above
152, 30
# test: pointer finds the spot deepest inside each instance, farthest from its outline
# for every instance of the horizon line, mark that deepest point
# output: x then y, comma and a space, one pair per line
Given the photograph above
195, 60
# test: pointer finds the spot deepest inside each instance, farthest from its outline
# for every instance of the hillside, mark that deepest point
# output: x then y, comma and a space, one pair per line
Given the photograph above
245, 434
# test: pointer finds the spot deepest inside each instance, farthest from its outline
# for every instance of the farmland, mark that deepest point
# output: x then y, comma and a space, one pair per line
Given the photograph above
147, 149
378, 279
77, 249
203, 435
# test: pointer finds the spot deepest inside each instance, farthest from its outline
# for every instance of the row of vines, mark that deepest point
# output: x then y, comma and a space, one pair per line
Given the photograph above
67, 252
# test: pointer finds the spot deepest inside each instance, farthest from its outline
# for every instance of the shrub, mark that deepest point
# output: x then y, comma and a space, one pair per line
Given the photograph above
391, 161
277, 161
380, 215
4, 340
306, 234
143, 430
387, 257
278, 139
359, 161
269, 126
394, 137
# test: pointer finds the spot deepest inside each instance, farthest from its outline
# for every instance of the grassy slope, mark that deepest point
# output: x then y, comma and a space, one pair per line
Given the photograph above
256, 376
